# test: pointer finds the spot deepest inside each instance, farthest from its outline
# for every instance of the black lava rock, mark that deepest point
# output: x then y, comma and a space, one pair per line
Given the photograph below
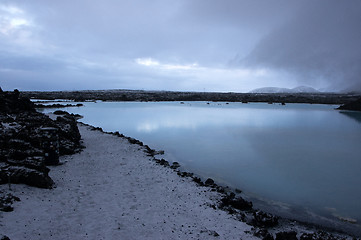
209, 182
264, 234
6, 200
320, 235
12, 102
237, 203
197, 180
262, 219
185, 174
291, 235
31, 177
60, 112
175, 165
24, 145
5, 238
164, 163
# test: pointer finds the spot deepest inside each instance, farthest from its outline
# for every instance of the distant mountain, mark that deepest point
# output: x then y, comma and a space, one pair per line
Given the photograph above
270, 90
300, 89
304, 89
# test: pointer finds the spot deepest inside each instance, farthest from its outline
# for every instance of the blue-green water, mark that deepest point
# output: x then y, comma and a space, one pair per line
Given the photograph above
300, 160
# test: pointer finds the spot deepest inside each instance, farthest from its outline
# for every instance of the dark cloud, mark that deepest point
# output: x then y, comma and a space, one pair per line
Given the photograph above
320, 43
249, 14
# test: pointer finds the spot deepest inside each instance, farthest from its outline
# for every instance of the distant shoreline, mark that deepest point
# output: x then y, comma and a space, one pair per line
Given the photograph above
149, 96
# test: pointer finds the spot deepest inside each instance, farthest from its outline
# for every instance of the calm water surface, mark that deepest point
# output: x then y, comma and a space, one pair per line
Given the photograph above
300, 160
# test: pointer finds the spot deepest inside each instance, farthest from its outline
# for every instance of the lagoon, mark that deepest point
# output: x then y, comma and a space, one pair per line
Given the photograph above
299, 160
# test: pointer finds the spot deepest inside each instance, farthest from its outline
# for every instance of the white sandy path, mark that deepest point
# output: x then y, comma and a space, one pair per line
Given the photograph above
112, 190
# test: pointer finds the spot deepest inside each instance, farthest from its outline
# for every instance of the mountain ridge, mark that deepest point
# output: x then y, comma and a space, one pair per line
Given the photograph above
299, 89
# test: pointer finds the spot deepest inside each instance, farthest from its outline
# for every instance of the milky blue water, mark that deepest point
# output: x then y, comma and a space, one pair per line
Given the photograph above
301, 160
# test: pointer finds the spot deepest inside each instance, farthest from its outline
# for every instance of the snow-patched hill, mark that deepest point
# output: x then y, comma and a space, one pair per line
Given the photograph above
300, 89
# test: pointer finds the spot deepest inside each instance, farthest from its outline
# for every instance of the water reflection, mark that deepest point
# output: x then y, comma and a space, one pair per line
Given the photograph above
353, 115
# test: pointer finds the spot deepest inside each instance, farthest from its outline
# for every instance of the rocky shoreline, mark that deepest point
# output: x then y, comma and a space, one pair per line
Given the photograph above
22, 161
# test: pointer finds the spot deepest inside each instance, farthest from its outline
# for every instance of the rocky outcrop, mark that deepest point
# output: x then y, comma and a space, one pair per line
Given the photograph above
263, 234
320, 235
13, 103
354, 106
69, 135
6, 200
262, 219
22, 174
291, 235
236, 202
25, 145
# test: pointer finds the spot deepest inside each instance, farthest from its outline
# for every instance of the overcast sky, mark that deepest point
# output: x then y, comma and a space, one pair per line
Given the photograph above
197, 45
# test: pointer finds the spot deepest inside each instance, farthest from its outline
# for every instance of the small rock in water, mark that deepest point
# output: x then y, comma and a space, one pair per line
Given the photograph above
60, 112
175, 165
209, 182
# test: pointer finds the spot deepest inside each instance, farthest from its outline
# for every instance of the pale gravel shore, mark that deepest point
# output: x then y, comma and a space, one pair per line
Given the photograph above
112, 190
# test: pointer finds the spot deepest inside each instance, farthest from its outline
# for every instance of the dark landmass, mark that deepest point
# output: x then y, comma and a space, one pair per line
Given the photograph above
24, 141
354, 106
138, 95
57, 105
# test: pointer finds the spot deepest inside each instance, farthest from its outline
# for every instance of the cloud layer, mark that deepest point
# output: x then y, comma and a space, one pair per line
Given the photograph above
320, 43
208, 45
